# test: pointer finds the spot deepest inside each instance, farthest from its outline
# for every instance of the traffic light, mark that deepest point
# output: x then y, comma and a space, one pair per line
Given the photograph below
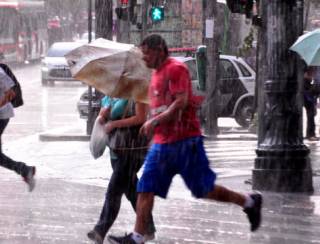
127, 11
122, 13
124, 2
241, 7
157, 13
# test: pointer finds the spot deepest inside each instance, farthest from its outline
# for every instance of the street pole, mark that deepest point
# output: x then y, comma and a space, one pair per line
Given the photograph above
211, 41
144, 17
282, 162
90, 110
103, 28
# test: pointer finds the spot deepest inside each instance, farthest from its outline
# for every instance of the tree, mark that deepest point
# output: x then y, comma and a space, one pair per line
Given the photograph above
104, 20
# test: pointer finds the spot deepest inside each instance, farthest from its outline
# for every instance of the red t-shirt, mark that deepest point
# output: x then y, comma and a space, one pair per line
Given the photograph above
170, 78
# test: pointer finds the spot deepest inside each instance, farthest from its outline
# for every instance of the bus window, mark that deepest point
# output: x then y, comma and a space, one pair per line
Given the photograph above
8, 26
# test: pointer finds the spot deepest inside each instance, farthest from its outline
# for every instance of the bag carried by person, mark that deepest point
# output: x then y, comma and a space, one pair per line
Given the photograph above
127, 137
98, 139
17, 101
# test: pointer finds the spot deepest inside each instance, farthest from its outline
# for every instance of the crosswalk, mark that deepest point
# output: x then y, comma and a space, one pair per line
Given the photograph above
231, 157
236, 157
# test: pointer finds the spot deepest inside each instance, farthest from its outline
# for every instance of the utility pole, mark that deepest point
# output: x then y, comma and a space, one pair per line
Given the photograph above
144, 18
282, 163
211, 41
103, 28
90, 119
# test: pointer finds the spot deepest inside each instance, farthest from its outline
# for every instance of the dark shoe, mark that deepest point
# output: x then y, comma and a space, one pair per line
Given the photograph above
95, 236
126, 239
29, 178
254, 212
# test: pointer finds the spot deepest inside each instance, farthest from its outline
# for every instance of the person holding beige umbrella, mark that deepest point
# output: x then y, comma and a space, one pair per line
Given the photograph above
118, 71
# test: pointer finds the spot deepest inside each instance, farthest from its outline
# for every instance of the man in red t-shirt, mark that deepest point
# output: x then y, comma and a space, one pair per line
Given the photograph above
177, 143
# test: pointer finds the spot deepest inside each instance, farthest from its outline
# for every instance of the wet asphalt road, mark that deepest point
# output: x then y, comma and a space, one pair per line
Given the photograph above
71, 186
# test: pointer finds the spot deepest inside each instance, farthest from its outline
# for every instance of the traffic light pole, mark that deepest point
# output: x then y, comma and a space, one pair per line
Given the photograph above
123, 30
144, 12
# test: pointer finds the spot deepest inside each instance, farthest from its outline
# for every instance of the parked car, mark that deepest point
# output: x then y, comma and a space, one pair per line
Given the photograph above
83, 103
54, 66
236, 85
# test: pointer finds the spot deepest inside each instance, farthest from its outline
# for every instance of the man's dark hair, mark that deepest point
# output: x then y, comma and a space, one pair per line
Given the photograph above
155, 42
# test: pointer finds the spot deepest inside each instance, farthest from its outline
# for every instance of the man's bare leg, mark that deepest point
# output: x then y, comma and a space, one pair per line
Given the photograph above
144, 209
223, 194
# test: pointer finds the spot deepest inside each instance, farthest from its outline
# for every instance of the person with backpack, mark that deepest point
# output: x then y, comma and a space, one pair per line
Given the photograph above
7, 94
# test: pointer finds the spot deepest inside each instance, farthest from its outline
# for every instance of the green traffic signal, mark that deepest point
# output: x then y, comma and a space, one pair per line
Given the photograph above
157, 13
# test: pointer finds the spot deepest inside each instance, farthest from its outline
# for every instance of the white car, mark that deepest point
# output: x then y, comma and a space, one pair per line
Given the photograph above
54, 66
236, 86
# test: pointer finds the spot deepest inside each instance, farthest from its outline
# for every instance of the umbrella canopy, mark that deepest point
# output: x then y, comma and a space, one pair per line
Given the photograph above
116, 69
308, 47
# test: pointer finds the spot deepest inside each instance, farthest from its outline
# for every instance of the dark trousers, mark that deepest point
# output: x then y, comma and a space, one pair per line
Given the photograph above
311, 113
125, 165
6, 162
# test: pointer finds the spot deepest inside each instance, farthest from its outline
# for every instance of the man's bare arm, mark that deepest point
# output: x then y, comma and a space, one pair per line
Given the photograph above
176, 108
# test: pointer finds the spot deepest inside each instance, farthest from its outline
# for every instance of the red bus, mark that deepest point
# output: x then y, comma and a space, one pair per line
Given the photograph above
23, 30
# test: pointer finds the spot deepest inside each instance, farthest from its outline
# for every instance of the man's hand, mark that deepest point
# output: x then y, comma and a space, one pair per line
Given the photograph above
8, 96
148, 127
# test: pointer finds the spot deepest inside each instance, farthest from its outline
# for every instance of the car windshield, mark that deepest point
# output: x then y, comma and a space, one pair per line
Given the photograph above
60, 51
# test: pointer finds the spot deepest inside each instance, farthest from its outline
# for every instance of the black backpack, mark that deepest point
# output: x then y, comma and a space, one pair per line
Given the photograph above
17, 101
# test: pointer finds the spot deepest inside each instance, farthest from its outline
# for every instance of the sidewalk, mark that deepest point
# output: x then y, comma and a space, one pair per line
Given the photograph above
66, 204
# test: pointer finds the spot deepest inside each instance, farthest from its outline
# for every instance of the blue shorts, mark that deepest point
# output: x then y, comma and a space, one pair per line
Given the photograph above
187, 158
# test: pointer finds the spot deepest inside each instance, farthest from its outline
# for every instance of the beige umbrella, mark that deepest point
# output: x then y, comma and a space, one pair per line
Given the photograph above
116, 69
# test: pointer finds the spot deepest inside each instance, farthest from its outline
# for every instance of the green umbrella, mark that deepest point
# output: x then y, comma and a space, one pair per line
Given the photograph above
308, 47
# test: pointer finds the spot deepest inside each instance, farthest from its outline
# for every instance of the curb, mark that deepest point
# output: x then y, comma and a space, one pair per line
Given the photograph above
55, 137
47, 137
232, 136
